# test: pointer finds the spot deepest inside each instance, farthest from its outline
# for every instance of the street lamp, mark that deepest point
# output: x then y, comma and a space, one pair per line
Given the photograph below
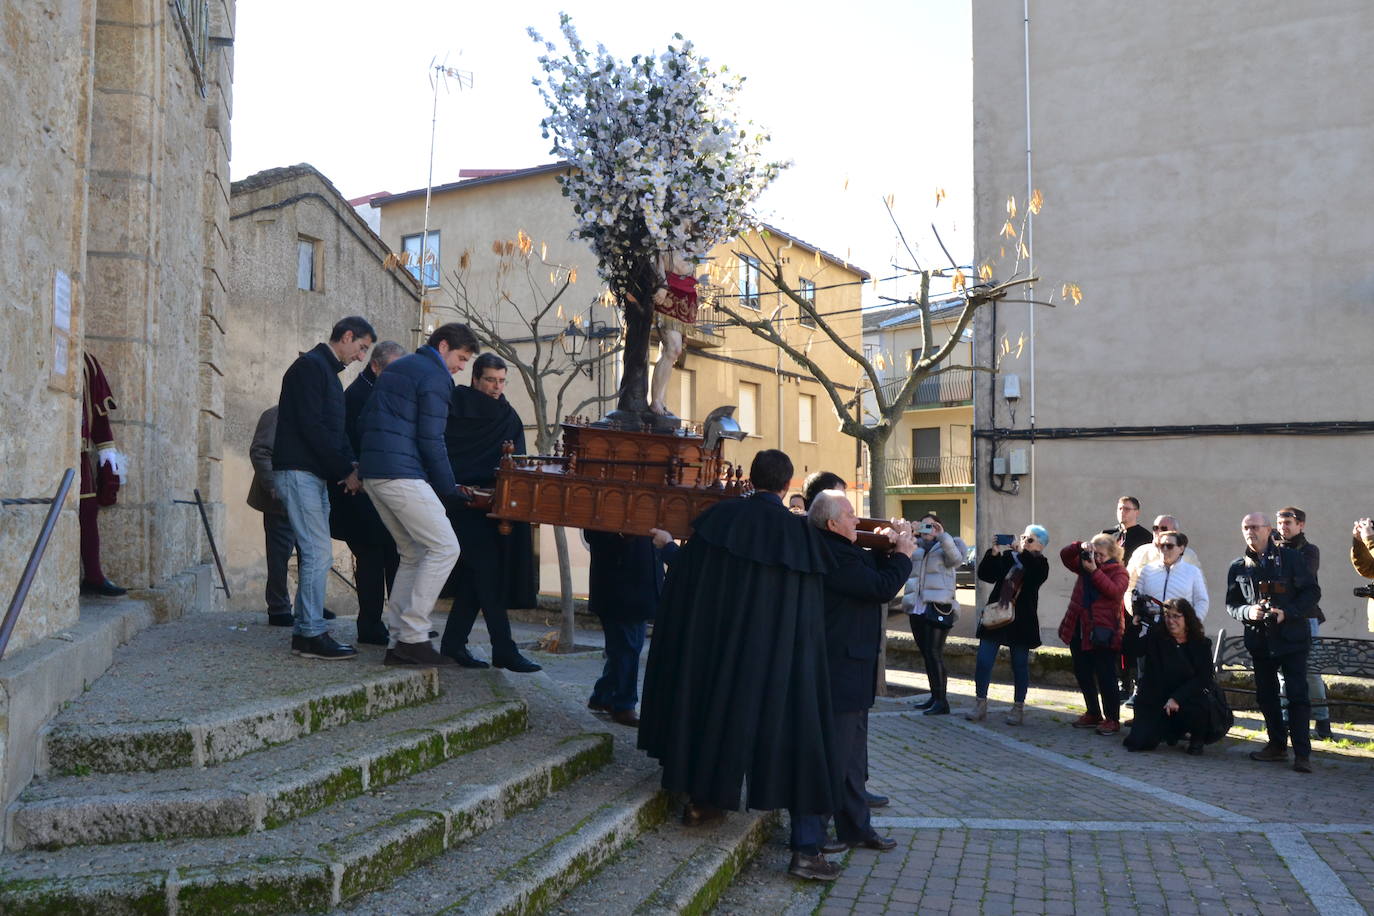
574, 340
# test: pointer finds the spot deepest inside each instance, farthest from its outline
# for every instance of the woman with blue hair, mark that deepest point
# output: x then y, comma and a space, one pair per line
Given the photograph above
1017, 570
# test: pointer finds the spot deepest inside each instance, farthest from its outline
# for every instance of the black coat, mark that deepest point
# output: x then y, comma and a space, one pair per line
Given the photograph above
1283, 576
500, 567
857, 588
1024, 629
626, 575
403, 422
1130, 539
737, 682
352, 517
1171, 671
310, 418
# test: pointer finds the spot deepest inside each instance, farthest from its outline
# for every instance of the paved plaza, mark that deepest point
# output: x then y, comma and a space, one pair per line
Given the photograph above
1045, 818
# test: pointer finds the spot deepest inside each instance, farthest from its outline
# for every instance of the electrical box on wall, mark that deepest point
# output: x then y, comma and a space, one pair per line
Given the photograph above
1017, 463
1011, 388
999, 465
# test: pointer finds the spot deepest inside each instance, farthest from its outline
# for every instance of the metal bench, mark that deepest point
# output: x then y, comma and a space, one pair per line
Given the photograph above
1342, 656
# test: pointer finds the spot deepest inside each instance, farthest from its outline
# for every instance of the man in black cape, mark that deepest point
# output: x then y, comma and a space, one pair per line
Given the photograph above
737, 686
494, 571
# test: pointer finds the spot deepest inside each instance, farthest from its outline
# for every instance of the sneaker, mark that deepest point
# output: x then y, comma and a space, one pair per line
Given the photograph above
1109, 727
517, 663
417, 653
813, 868
322, 646
1087, 720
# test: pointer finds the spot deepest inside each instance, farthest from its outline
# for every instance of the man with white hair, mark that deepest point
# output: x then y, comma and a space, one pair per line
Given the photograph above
857, 589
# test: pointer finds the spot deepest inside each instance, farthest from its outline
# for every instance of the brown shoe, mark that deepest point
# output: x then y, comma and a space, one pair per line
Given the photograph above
813, 868
1109, 727
625, 717
1087, 720
696, 815
880, 843
1271, 753
417, 653
1302, 765
835, 848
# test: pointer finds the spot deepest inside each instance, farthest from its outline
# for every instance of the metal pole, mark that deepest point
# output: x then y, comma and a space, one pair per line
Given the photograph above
214, 551
21, 591
429, 187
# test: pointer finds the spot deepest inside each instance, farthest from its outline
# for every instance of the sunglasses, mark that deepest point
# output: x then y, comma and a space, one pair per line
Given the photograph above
1160, 528
1167, 546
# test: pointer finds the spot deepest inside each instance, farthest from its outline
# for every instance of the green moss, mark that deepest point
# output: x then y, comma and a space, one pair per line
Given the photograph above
300, 800
478, 727
373, 858
249, 889
421, 751
118, 751
582, 763
136, 894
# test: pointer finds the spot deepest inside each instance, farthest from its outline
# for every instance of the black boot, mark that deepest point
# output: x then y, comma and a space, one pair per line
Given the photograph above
940, 708
1323, 729
926, 704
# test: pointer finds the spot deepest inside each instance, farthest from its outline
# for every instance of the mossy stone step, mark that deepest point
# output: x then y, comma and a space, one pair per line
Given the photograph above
673, 869
315, 864
261, 792
159, 742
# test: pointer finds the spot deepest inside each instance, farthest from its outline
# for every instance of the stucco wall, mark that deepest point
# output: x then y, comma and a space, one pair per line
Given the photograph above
271, 321
1205, 175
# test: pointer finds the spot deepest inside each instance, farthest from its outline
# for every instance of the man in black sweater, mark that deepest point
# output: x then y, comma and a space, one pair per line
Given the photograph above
310, 451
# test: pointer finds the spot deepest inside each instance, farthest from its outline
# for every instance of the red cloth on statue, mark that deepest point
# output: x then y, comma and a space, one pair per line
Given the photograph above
680, 303
97, 400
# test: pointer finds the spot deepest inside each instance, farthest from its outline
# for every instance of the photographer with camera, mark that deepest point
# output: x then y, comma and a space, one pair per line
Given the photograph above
1092, 628
1272, 592
1171, 577
929, 601
1362, 558
1016, 566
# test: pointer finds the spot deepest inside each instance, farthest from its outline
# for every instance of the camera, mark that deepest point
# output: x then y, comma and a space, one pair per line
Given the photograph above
926, 528
1086, 554
1364, 591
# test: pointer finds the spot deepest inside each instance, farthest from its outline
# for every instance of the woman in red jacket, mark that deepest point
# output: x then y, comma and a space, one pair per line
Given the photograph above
1093, 627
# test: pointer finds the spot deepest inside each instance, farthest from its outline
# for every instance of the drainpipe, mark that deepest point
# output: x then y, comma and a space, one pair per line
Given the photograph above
1030, 245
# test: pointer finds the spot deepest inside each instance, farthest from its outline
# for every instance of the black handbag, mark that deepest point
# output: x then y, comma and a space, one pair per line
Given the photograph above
939, 615
1219, 715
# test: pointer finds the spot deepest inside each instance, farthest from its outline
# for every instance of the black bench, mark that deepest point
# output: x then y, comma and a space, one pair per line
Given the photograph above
1338, 655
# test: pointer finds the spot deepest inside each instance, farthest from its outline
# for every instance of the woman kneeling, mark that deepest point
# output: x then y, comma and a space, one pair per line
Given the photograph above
1177, 669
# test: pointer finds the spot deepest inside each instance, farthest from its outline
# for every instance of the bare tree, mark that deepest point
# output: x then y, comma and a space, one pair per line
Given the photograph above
522, 316
969, 296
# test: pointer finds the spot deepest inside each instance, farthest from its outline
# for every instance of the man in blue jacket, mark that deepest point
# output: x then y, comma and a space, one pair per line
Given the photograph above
406, 472
310, 450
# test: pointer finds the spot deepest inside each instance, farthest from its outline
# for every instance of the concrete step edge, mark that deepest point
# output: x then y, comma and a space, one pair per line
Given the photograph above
229, 734
548, 873
367, 860
134, 817
697, 884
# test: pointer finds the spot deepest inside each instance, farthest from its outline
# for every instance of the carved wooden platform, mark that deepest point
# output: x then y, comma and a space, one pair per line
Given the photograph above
605, 479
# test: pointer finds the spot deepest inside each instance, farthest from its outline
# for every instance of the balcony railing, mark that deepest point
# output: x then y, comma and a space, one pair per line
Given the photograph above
952, 471
953, 387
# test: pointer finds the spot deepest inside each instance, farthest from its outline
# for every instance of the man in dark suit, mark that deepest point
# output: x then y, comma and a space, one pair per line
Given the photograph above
354, 520
857, 588
623, 585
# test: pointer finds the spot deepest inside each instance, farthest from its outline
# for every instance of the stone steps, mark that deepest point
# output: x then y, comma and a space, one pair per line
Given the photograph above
174, 729
672, 869
315, 861
262, 790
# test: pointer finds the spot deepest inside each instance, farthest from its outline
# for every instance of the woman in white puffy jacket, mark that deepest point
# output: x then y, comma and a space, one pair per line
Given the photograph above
930, 602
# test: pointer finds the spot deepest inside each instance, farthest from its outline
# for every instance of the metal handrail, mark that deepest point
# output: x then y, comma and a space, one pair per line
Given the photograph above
40, 546
214, 551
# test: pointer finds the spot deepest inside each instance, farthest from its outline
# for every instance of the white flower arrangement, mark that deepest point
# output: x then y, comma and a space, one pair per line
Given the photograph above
661, 161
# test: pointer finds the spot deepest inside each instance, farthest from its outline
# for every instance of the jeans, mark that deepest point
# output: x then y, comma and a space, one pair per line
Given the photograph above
306, 498
412, 512
1096, 671
617, 689
1316, 687
987, 657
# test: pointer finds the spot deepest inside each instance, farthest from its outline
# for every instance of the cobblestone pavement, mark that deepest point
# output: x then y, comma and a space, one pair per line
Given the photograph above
1045, 818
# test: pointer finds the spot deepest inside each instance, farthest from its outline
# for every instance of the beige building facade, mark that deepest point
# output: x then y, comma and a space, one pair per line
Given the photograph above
302, 260
777, 404
1205, 171
929, 464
